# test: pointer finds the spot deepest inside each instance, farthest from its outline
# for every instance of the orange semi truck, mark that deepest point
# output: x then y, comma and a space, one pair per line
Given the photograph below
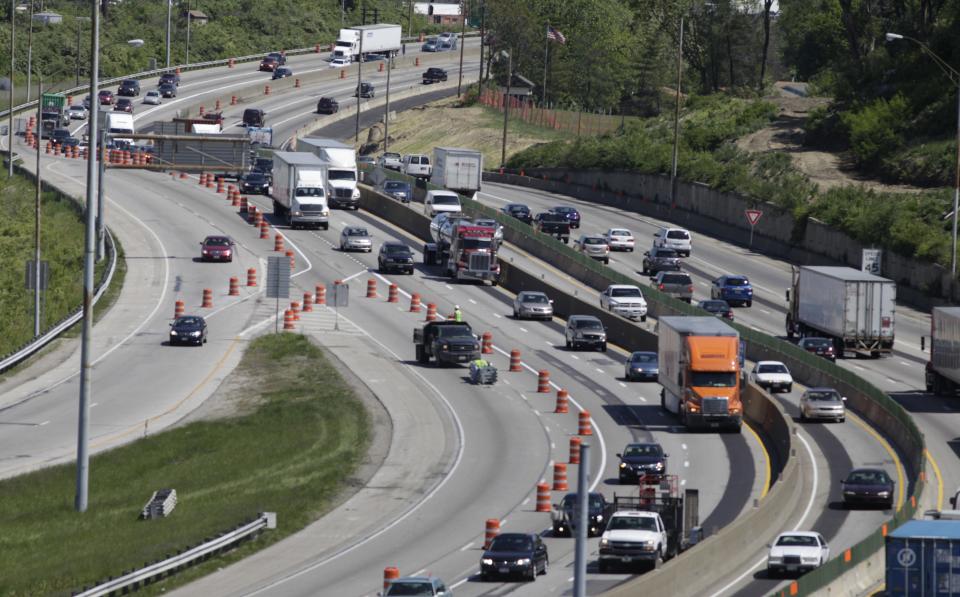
700, 372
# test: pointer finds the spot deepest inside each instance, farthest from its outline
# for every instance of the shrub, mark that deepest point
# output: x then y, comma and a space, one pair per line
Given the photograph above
875, 129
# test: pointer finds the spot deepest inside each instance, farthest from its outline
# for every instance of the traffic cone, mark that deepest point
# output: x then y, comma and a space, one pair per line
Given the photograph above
295, 307
543, 497
431, 312
307, 303
264, 230
234, 286
178, 309
515, 361
393, 296
321, 294
583, 423
415, 303
562, 402
560, 477
486, 345
390, 573
207, 299
371, 288
278, 243
575, 450
288, 320
251, 277
543, 382
491, 531
289, 254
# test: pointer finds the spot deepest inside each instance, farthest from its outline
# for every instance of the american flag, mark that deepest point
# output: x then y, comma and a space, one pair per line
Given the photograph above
555, 35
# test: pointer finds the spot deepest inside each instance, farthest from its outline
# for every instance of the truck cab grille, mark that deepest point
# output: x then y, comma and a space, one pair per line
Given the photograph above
343, 193
715, 406
479, 261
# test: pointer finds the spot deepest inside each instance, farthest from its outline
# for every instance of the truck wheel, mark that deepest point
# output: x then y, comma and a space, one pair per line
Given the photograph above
643, 318
603, 347
603, 566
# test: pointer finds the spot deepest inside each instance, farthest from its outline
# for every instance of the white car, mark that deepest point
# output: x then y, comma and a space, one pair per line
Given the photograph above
798, 552
625, 300
633, 536
355, 238
152, 97
340, 63
593, 246
773, 376
78, 112
390, 160
677, 239
619, 239
440, 201
823, 403
416, 165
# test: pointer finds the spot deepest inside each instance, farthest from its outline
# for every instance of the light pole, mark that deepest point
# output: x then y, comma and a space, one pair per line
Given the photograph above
169, 10
463, 30
356, 135
954, 77
13, 18
506, 107
29, 50
676, 118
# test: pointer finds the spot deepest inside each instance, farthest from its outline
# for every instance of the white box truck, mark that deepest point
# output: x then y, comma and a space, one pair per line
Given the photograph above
855, 309
299, 192
458, 169
120, 123
340, 161
943, 368
377, 39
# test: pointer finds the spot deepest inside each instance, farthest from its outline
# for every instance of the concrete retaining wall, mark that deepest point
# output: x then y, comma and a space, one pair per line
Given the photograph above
721, 215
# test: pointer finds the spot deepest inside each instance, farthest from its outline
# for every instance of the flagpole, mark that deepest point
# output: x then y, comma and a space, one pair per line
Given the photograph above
546, 58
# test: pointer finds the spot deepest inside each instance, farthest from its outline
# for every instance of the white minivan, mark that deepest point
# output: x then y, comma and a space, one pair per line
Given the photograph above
440, 201
677, 239
417, 165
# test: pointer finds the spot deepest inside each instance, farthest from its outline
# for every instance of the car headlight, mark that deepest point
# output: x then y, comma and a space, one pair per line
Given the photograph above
658, 466
356, 193
604, 542
296, 213
849, 493
774, 559
810, 559
173, 332
599, 517
444, 346
523, 562
487, 561
194, 333
884, 494
623, 465
325, 213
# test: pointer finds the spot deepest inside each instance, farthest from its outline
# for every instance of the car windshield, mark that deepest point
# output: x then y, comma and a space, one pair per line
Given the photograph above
391, 156
868, 477
772, 368
642, 450
714, 379
678, 234
217, 242
410, 587
595, 501
255, 177
634, 292
309, 192
821, 396
396, 249
446, 200
357, 232
737, 282
594, 240
564, 210
189, 321
520, 209
512, 543
798, 540
476, 243
589, 324
534, 298
454, 331
632, 523
676, 279
341, 175
619, 233
395, 185
643, 357
817, 343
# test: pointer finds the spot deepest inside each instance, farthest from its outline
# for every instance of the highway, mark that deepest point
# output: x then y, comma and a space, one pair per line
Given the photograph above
497, 442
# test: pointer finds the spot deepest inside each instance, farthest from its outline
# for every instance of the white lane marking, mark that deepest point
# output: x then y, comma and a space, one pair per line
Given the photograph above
467, 546
44, 423
683, 446
623, 385
858, 367
806, 512
686, 464
553, 445
448, 287
524, 330
642, 399
472, 301
525, 502
497, 315
765, 311
599, 370
94, 404
551, 344
360, 273
904, 363
536, 412
575, 357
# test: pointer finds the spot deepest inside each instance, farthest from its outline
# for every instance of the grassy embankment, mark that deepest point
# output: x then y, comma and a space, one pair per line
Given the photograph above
290, 449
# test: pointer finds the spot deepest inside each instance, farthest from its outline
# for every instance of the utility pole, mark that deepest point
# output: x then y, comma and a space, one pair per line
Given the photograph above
169, 10
36, 229
356, 135
483, 35
506, 108
580, 553
77, 62
86, 362
188, 33
410, 20
676, 117
13, 66
386, 110
30, 53
101, 214
463, 30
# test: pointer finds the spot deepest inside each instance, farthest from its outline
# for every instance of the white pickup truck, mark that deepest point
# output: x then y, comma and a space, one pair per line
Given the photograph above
633, 536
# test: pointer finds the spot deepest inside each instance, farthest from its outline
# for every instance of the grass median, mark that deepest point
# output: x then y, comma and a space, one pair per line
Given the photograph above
286, 435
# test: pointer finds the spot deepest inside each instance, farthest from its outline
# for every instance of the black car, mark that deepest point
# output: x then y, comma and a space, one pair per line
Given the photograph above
556, 225
642, 365
822, 347
269, 64
59, 135
279, 57
364, 90
518, 211
124, 104
395, 256
254, 117
398, 189
70, 142
167, 90
868, 487
328, 105
434, 75
718, 307
254, 183
570, 213
169, 79
188, 329
263, 166
515, 554
129, 87
565, 515
282, 72
642, 459
660, 259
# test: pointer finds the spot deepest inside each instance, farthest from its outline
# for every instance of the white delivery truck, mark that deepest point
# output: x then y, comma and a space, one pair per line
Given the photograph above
458, 169
377, 39
299, 192
340, 161
855, 309
120, 123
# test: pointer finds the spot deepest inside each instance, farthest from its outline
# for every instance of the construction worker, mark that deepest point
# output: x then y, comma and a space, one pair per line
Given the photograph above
476, 366
457, 313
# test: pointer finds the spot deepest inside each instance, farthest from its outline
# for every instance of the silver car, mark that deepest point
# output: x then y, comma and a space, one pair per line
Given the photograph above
679, 285
823, 403
593, 246
531, 304
355, 238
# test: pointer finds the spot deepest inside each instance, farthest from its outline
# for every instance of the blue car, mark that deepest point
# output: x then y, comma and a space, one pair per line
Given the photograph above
570, 213
733, 289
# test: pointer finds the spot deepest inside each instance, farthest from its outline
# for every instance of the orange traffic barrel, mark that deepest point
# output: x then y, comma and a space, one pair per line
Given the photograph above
393, 295
234, 286
290, 256
415, 303
217, 107
307, 303
543, 497
372, 288
201, 110
296, 83
574, 450
264, 230
560, 477
295, 307
390, 574
288, 320
233, 100
486, 344
431, 312
278, 243
203, 178
235, 199
543, 382
266, 90
416, 62
343, 74
321, 294
251, 277
562, 402
178, 309
583, 423
491, 531
257, 217
515, 360
207, 299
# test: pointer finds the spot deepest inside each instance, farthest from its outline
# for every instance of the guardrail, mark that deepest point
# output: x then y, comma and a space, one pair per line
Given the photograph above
143, 576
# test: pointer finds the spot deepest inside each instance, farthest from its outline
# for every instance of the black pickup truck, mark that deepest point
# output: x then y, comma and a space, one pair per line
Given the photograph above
434, 75
556, 225
446, 342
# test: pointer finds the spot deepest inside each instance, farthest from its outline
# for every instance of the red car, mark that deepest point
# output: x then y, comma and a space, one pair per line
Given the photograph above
217, 248
269, 64
106, 97
124, 104
822, 347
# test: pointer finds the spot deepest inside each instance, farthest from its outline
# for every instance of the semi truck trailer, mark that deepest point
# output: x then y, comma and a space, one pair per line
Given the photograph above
340, 161
943, 368
299, 194
855, 309
459, 170
377, 39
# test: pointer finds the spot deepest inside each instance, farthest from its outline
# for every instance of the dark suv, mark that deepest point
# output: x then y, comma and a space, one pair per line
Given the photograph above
327, 105
585, 331
395, 256
254, 117
129, 87
364, 90
434, 75
169, 79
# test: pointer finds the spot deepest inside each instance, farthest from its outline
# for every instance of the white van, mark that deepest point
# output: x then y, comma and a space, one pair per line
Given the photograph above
440, 201
677, 239
417, 165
